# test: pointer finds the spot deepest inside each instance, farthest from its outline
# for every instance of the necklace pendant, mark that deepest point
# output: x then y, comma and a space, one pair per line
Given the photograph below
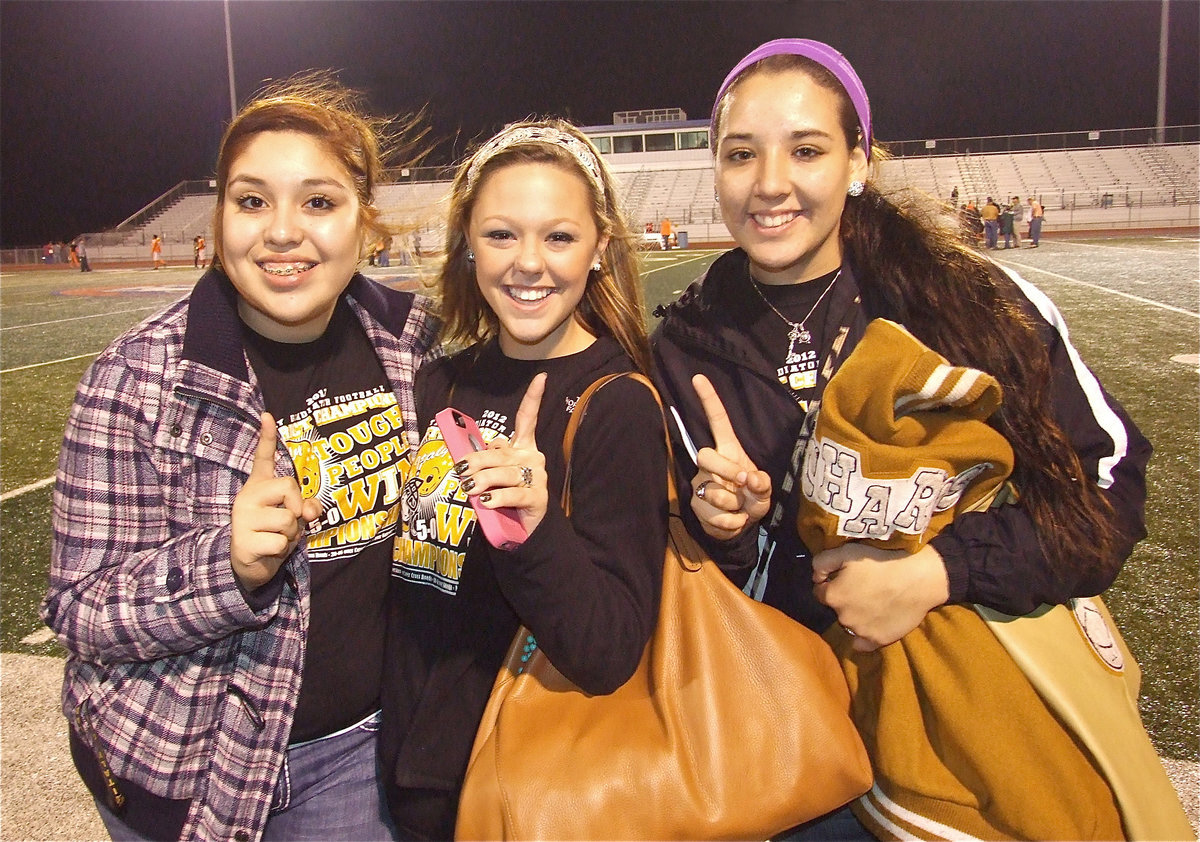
799, 334
799, 338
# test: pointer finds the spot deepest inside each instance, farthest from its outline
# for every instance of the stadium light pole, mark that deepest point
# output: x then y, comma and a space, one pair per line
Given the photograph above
229, 61
1162, 72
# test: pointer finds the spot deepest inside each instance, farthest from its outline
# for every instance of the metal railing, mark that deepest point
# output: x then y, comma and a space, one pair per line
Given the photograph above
1045, 142
146, 214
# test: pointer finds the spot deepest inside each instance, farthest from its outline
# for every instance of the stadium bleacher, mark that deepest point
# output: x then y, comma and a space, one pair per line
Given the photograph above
1093, 184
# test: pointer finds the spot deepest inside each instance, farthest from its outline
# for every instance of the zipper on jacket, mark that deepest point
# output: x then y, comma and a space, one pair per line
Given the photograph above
113, 797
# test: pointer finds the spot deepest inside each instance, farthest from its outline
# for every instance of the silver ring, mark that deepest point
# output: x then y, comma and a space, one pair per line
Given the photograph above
526, 476
702, 488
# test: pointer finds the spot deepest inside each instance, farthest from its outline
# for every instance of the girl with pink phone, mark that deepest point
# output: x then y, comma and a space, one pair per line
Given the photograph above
501, 526
541, 281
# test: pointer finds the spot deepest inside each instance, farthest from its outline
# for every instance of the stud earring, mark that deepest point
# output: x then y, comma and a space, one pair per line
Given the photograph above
856, 188
470, 256
596, 266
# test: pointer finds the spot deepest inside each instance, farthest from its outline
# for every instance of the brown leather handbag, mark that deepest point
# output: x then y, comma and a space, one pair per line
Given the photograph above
735, 725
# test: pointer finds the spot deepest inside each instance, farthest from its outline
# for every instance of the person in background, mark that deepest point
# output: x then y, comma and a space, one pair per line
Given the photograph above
1007, 223
81, 251
1018, 216
990, 214
541, 276
226, 500
974, 224
744, 354
156, 252
1036, 214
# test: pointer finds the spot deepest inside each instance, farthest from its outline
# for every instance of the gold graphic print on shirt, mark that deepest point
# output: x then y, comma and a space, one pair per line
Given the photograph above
437, 520
350, 453
799, 371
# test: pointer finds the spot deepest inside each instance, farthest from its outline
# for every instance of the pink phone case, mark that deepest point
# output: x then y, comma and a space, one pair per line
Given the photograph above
501, 527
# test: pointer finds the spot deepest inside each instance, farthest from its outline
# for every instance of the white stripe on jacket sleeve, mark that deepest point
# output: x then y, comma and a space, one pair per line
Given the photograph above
1101, 411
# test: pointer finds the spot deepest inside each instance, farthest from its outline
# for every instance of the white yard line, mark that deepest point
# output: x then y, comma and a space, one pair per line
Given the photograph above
1128, 295
51, 362
25, 489
675, 263
77, 318
1136, 249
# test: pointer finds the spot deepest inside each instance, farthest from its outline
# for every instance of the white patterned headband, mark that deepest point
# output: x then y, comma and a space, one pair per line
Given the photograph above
579, 150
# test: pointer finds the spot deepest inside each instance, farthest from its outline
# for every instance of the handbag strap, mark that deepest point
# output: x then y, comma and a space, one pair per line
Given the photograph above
577, 419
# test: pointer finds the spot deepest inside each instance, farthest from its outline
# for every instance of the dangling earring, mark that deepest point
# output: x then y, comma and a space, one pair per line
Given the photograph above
470, 256
856, 188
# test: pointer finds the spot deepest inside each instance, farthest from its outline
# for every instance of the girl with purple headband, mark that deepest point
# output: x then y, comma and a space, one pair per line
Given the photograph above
746, 351
541, 278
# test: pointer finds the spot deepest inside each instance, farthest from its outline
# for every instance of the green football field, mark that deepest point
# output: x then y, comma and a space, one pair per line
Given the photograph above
1133, 306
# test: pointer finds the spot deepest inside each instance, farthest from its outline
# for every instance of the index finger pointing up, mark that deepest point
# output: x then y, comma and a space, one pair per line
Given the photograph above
525, 425
264, 453
724, 438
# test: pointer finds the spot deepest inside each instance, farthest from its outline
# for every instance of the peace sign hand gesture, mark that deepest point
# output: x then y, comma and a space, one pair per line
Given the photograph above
512, 473
730, 494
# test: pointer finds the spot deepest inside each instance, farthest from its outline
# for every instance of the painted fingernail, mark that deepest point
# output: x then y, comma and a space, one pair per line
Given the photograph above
485, 497
468, 484
460, 467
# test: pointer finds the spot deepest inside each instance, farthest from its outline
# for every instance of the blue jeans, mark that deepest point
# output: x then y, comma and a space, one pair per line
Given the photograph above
840, 825
329, 790
991, 232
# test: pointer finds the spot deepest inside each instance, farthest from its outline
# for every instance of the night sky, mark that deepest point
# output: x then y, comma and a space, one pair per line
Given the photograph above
105, 105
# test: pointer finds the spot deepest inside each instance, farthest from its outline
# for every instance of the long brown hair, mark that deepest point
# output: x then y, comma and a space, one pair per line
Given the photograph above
611, 303
915, 269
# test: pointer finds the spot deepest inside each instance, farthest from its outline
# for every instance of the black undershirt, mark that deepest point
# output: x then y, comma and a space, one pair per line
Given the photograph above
769, 332
338, 417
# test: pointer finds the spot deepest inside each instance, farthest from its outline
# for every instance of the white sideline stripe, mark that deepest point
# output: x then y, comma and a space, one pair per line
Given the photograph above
51, 362
25, 489
77, 318
675, 263
1128, 295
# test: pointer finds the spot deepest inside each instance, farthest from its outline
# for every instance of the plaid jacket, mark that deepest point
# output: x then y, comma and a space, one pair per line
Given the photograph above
189, 690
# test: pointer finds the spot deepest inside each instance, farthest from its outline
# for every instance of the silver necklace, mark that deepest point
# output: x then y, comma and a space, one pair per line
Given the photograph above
798, 334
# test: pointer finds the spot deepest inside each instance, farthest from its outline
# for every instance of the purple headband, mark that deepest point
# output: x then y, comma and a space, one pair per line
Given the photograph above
822, 54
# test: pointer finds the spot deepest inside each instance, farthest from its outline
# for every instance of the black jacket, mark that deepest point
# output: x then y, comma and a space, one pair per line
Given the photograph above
587, 586
993, 557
